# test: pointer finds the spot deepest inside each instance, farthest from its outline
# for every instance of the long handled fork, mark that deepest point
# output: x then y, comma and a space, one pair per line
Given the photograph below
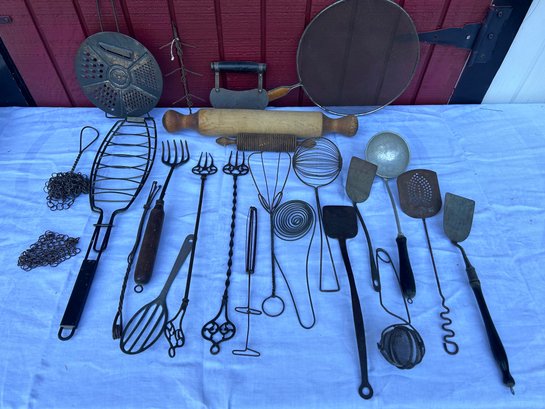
152, 235
173, 330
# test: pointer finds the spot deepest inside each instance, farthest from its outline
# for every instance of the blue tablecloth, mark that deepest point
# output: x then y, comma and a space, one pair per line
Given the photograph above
492, 154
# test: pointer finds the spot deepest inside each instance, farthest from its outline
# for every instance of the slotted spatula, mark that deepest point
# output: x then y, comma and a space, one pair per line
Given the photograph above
340, 223
458, 217
420, 198
358, 186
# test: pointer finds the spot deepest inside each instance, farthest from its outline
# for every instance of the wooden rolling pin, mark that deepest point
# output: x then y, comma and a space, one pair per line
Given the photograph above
228, 122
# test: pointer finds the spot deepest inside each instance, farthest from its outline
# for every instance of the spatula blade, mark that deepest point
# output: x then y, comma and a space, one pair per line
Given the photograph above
340, 222
360, 179
458, 217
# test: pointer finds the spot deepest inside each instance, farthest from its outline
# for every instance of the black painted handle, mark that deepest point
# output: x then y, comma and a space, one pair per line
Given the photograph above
150, 244
406, 276
76, 302
493, 337
238, 66
375, 276
365, 390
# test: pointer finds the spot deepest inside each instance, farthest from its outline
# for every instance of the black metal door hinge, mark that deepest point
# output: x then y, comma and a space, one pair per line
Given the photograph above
480, 38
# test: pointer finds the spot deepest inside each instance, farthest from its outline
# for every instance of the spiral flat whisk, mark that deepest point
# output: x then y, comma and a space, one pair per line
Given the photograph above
292, 221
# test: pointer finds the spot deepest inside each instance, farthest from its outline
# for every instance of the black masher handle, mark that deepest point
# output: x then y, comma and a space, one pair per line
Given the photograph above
493, 337
76, 302
365, 390
406, 276
150, 244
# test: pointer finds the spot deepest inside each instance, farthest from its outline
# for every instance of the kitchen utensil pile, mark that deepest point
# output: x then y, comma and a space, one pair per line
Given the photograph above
357, 76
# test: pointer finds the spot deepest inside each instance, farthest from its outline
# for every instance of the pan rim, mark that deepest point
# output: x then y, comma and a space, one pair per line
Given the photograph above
412, 26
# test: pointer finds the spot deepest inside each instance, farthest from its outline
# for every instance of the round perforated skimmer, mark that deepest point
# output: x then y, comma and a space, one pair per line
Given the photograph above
118, 74
419, 194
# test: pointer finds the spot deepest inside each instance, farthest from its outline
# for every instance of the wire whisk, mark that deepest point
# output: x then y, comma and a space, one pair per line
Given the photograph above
317, 162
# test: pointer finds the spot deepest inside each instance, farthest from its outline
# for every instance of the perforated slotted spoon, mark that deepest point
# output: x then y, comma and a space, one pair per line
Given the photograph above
420, 198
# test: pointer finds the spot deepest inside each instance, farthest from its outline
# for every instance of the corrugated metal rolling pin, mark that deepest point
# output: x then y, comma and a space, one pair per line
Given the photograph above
228, 122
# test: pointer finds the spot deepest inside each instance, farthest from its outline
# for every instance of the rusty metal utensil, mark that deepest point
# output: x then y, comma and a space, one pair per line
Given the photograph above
420, 198
458, 217
358, 186
118, 74
391, 154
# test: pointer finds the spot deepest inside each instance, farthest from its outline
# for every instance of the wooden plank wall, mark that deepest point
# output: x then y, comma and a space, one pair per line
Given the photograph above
45, 34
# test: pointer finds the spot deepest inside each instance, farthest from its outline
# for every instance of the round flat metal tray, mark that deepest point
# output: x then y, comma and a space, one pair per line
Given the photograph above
118, 74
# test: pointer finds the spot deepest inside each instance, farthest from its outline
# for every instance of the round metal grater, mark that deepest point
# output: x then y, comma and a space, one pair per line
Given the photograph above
118, 74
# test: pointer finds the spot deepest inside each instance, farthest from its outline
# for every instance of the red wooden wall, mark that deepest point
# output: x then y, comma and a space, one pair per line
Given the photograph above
44, 35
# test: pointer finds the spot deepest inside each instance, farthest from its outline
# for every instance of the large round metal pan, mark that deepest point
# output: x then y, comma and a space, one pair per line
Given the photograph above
356, 56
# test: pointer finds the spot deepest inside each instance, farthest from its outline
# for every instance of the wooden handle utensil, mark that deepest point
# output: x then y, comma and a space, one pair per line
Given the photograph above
228, 122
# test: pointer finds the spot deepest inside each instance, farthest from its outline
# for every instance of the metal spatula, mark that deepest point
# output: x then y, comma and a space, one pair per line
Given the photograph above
458, 217
358, 186
340, 223
420, 198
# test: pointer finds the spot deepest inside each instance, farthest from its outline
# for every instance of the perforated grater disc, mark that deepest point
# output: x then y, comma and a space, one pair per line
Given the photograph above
419, 194
118, 74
